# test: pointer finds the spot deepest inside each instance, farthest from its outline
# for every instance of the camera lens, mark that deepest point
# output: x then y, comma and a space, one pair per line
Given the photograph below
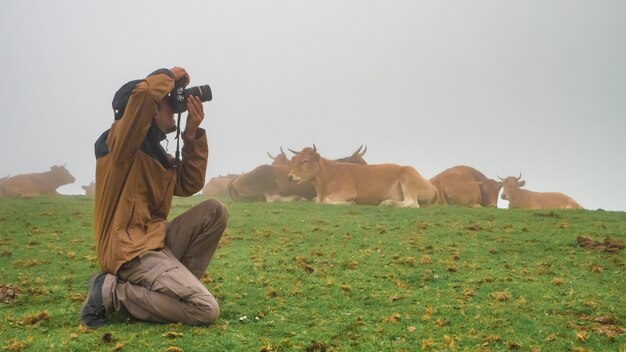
202, 92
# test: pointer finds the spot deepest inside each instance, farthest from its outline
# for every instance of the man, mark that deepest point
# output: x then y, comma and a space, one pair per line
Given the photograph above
151, 268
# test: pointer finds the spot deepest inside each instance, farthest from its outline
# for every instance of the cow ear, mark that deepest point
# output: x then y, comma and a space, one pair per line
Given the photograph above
521, 183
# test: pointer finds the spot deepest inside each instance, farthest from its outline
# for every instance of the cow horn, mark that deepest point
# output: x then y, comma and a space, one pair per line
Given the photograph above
501, 179
314, 148
293, 151
520, 176
282, 151
358, 150
364, 150
270, 155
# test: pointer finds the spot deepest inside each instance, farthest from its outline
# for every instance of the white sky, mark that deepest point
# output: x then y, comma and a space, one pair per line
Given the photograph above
536, 86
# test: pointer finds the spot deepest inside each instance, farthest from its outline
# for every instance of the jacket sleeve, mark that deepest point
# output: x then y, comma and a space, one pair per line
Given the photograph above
128, 133
192, 169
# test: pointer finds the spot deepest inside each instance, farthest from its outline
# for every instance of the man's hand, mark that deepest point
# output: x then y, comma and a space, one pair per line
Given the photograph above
180, 74
195, 116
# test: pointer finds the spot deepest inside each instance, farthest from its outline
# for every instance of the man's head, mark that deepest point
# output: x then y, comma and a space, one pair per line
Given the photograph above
164, 118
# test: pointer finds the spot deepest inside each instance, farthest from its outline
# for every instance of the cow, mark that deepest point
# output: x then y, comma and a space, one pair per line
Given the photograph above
218, 186
43, 183
525, 199
90, 189
466, 186
270, 182
342, 183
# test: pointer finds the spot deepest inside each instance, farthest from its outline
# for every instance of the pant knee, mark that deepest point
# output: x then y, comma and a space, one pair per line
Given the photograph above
219, 210
206, 313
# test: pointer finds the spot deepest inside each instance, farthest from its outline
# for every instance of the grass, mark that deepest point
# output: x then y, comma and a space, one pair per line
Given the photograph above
306, 277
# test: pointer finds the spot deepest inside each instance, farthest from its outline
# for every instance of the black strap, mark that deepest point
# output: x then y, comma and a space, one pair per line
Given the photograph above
178, 139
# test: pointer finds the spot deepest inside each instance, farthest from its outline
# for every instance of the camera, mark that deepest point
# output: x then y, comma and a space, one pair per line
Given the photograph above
178, 96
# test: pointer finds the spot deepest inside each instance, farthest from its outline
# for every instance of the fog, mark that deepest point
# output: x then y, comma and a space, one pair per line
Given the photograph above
536, 87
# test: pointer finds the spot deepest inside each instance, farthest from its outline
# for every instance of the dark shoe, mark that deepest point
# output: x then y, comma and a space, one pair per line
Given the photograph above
92, 314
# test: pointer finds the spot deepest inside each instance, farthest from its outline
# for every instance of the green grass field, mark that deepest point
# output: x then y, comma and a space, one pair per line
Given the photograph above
306, 277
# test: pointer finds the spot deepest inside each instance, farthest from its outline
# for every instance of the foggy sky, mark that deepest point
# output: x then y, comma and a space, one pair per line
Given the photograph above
537, 87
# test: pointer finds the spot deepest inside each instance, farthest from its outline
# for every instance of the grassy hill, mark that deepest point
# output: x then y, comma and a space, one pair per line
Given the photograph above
307, 277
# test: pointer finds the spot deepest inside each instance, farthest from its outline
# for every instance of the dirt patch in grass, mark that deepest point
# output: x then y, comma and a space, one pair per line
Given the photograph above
316, 346
34, 319
15, 345
29, 263
609, 245
605, 325
8, 293
550, 214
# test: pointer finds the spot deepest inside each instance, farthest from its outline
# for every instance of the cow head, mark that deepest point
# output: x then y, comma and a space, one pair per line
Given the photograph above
305, 165
356, 157
61, 174
489, 190
509, 184
280, 159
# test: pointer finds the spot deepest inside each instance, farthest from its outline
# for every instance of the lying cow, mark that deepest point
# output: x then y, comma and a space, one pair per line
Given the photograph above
90, 189
521, 198
270, 182
37, 183
466, 186
218, 186
343, 183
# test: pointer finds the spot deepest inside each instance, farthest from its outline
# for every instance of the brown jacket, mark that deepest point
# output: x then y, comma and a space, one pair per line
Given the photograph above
135, 181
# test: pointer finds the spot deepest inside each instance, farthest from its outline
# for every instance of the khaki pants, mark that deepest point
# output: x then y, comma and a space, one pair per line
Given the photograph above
163, 285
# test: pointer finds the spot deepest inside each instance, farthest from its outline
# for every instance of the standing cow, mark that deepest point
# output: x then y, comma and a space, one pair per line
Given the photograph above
466, 186
37, 183
521, 198
343, 183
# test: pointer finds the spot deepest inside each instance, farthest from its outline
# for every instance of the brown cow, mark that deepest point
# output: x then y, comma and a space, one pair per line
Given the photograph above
466, 186
343, 183
37, 183
270, 182
521, 198
218, 186
90, 190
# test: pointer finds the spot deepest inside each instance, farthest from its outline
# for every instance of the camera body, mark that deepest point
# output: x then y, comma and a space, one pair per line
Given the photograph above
178, 95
